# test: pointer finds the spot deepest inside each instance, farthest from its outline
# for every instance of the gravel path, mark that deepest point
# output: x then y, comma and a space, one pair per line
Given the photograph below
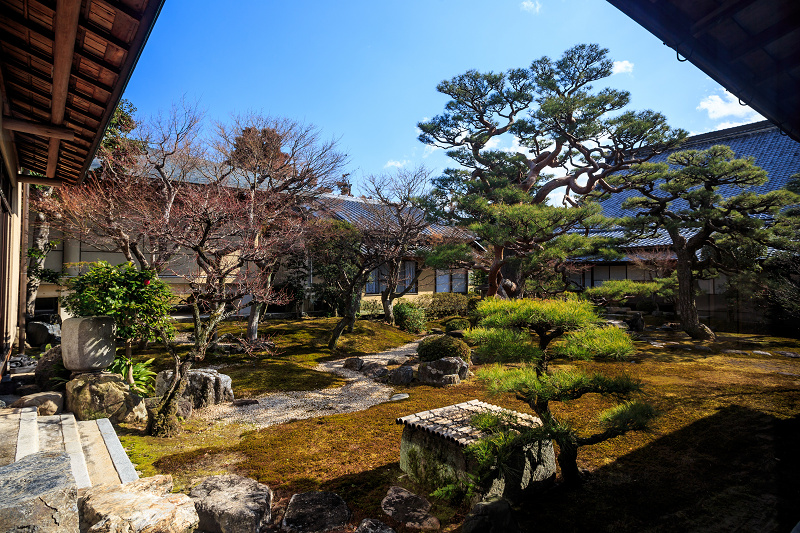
359, 393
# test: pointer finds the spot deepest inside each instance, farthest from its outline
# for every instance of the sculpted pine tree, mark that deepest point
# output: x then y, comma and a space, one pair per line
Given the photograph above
561, 125
702, 201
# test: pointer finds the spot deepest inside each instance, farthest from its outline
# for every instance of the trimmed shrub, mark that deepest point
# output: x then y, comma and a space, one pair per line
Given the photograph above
438, 346
566, 315
409, 317
608, 342
456, 323
502, 346
447, 303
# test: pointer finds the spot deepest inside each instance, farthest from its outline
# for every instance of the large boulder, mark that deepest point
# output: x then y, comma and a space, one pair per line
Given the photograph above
374, 369
232, 504
49, 366
492, 515
402, 375
370, 525
409, 509
94, 396
38, 493
46, 403
445, 371
315, 512
142, 506
41, 333
204, 387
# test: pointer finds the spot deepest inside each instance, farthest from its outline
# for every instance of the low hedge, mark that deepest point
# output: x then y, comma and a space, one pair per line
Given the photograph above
409, 317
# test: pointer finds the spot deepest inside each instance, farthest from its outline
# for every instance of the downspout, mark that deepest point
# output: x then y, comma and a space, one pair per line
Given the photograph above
23, 270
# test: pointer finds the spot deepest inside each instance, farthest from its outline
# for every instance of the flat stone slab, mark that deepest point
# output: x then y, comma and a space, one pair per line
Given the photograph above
232, 504
38, 493
315, 512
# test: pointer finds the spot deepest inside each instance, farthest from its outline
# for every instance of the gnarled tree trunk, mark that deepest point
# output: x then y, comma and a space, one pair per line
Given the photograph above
687, 307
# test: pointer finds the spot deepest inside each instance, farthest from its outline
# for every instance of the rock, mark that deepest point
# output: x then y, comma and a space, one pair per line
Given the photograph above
450, 379
398, 397
398, 360
435, 372
735, 352
2, 404
142, 506
28, 389
39, 333
184, 406
370, 525
374, 369
93, 396
760, 352
493, 515
635, 322
88, 343
353, 363
204, 387
56, 399
38, 494
409, 509
401, 376
701, 348
47, 368
232, 504
457, 333
793, 355
315, 512
245, 401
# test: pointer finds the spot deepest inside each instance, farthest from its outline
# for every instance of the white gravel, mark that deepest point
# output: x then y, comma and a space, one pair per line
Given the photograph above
359, 393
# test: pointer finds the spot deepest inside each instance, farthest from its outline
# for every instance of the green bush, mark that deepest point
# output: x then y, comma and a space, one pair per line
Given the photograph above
456, 323
144, 379
409, 317
608, 342
438, 346
565, 315
502, 346
447, 303
370, 308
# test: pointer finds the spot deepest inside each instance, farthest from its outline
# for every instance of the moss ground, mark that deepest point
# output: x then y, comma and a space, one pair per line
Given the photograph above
721, 456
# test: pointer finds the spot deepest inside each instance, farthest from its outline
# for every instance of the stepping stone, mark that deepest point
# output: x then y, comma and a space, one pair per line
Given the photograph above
759, 352
793, 355
735, 352
398, 397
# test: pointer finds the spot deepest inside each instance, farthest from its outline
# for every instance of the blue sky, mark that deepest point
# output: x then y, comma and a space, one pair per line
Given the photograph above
366, 72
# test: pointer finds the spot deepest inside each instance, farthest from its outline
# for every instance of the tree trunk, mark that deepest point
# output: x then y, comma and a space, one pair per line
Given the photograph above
128, 357
687, 308
252, 321
494, 275
40, 240
388, 309
164, 421
347, 322
568, 461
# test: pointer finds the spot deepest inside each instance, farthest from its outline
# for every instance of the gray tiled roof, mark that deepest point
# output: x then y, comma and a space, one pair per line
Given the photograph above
453, 422
777, 154
354, 209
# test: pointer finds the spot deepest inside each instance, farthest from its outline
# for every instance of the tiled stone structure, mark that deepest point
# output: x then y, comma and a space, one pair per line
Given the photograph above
433, 442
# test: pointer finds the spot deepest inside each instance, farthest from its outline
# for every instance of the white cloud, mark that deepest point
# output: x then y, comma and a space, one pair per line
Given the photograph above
622, 67
429, 150
396, 164
531, 7
726, 105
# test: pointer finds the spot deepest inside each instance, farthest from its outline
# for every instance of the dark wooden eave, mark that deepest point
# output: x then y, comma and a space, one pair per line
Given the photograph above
64, 65
751, 47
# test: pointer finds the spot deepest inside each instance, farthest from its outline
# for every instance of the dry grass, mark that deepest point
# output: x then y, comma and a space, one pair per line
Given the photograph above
722, 456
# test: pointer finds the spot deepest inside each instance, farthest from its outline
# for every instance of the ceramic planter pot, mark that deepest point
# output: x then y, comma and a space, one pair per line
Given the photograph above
88, 343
